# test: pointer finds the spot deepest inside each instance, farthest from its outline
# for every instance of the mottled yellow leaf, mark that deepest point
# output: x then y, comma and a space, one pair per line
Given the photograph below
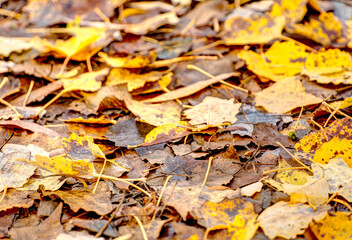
337, 226
293, 11
64, 165
254, 30
333, 149
292, 176
167, 132
235, 215
81, 148
327, 29
328, 62
315, 190
307, 146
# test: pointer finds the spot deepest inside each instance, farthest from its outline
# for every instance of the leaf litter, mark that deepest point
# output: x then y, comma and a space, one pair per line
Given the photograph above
175, 120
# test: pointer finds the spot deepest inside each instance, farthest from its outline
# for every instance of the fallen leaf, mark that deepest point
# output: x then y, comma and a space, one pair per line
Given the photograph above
236, 216
285, 96
255, 30
293, 11
327, 29
133, 80
41, 231
213, 112
315, 190
330, 66
84, 199
287, 220
336, 226
333, 149
155, 114
186, 198
167, 132
339, 177
127, 62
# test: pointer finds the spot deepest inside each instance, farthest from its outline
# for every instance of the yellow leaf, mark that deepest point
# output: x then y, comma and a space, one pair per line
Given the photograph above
337, 226
286, 58
155, 114
72, 47
257, 64
255, 30
133, 80
327, 29
167, 132
292, 176
235, 215
328, 62
294, 11
307, 146
139, 61
85, 82
281, 60
331, 66
64, 166
314, 190
81, 148
333, 149
342, 104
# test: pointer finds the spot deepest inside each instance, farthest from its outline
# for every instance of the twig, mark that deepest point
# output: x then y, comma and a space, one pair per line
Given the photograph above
206, 174
5, 188
113, 215
337, 110
296, 159
27, 95
282, 169
213, 77
6, 141
145, 237
161, 195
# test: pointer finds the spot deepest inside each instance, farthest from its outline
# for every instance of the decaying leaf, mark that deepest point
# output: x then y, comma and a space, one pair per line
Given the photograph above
333, 149
255, 30
337, 226
235, 215
327, 29
314, 191
330, 66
